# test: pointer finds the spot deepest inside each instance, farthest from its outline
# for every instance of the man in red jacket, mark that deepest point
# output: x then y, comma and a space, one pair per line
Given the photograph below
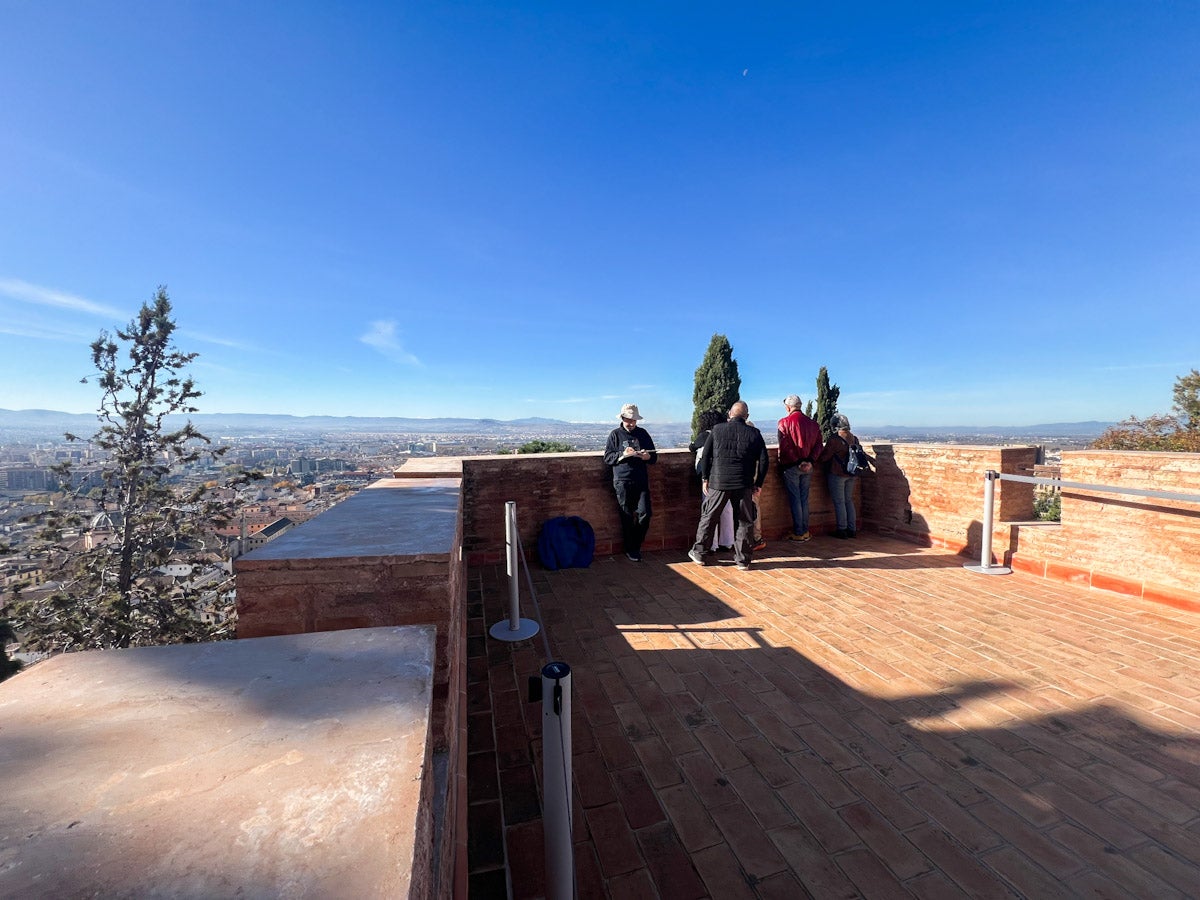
799, 447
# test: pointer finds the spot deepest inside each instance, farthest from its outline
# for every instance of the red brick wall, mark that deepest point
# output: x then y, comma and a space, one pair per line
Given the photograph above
1133, 545
580, 484
933, 493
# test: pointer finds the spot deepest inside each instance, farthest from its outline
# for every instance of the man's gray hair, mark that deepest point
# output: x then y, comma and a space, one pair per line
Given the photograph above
739, 410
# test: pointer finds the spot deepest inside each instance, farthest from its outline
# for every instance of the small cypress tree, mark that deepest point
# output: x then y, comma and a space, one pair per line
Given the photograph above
827, 398
717, 383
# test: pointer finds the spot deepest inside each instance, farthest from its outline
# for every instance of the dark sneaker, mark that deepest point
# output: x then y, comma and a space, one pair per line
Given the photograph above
743, 567
636, 557
841, 533
724, 549
697, 558
851, 533
761, 545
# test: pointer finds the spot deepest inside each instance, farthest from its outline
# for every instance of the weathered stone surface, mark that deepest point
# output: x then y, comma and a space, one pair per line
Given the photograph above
277, 767
373, 524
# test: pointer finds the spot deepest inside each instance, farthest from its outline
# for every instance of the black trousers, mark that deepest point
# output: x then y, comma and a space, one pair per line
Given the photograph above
633, 504
743, 521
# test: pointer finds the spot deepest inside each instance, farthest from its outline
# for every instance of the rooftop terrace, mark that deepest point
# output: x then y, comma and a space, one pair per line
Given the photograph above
851, 718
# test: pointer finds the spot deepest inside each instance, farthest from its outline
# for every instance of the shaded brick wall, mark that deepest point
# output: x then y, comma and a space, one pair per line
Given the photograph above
1134, 545
933, 493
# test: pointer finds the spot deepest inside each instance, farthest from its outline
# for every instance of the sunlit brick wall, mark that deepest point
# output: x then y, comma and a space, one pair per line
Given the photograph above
1134, 545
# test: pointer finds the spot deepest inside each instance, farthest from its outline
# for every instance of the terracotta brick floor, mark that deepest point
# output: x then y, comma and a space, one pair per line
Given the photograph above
851, 718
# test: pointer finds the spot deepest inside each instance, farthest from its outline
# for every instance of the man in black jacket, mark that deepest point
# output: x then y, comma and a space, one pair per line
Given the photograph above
733, 466
629, 450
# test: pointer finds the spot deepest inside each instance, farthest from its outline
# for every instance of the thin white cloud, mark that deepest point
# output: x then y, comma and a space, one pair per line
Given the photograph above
221, 341
44, 334
215, 367
43, 296
1134, 367
382, 336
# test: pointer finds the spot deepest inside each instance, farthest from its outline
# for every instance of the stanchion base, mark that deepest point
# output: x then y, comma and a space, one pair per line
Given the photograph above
502, 631
989, 570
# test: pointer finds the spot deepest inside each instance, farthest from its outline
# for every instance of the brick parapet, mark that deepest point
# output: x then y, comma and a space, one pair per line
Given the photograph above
932, 494
580, 484
1141, 546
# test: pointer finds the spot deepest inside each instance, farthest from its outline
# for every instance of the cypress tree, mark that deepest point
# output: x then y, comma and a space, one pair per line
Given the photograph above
827, 398
717, 381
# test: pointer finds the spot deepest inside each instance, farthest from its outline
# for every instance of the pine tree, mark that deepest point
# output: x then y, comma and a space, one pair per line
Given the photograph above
1187, 401
1165, 433
717, 383
827, 398
113, 593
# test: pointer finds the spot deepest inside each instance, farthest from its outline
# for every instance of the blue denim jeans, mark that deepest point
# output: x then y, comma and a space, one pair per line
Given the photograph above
841, 489
797, 484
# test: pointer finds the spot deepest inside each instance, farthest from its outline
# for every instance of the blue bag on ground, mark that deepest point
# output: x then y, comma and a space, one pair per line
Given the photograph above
566, 542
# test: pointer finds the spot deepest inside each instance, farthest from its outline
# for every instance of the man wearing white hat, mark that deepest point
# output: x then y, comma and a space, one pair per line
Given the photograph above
628, 451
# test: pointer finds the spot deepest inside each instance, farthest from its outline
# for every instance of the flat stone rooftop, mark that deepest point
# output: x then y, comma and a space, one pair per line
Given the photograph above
849, 719
374, 522
270, 767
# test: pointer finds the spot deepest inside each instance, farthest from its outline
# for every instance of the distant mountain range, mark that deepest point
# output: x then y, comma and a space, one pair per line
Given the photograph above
237, 423
83, 424
1053, 429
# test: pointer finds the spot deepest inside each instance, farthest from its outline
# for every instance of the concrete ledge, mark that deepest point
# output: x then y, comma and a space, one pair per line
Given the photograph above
283, 767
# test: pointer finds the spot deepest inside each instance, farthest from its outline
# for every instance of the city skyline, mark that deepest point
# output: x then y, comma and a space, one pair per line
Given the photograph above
971, 216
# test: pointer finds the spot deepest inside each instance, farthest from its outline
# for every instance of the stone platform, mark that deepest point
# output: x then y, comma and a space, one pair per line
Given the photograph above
283, 766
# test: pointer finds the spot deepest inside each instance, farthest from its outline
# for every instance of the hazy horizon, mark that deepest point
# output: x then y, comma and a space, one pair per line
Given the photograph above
1097, 424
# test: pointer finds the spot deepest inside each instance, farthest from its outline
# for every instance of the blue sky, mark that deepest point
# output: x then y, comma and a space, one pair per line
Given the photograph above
971, 213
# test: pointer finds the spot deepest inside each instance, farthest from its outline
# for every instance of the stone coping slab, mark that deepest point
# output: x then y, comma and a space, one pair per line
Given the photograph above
391, 517
271, 767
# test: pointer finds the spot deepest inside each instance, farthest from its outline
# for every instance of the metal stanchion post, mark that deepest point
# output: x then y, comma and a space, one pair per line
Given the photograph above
515, 628
985, 566
556, 780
